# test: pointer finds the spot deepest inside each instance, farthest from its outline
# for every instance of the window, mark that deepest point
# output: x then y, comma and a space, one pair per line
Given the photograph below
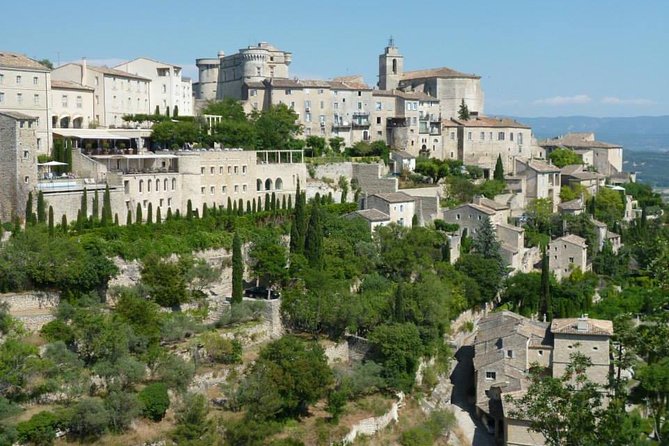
97, 81
254, 92
36, 99
244, 187
236, 188
2, 78
457, 216
320, 91
490, 375
500, 136
482, 137
148, 186
401, 208
520, 138
289, 92
244, 170
211, 170
258, 72
97, 100
174, 184
79, 102
571, 260
2, 97
307, 104
26, 154
359, 105
63, 100
164, 88
211, 190
378, 106
469, 136
594, 347
18, 80
202, 190
157, 185
509, 354
229, 170
220, 170
236, 169
378, 119
169, 202
201, 170
322, 105
452, 136
19, 98
307, 117
510, 136
141, 185
35, 80
541, 352
292, 105
321, 119
224, 189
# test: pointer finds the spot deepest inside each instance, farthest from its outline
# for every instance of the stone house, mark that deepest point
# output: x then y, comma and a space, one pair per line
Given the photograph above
402, 161
71, 105
399, 207
606, 158
567, 253
469, 217
542, 179
575, 175
373, 217
572, 207
507, 345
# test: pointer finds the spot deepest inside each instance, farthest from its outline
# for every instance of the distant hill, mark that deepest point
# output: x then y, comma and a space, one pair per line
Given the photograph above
648, 133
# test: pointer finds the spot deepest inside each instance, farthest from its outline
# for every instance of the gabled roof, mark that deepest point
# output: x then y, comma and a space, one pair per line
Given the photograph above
69, 85
492, 204
490, 121
371, 215
395, 197
164, 64
407, 95
539, 166
18, 116
572, 205
573, 239
402, 154
571, 169
443, 73
477, 207
595, 327
16, 60
111, 72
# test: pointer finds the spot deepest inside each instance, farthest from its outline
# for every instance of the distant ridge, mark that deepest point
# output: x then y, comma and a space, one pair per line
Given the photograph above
634, 133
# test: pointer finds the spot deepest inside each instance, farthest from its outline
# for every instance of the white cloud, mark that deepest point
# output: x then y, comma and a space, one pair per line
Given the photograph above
564, 100
612, 100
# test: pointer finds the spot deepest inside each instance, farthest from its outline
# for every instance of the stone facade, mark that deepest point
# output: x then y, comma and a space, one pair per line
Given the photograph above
542, 180
18, 162
567, 253
71, 105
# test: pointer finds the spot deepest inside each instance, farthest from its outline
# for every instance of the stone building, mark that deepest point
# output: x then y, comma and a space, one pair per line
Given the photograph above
18, 162
170, 90
567, 253
71, 105
398, 206
25, 88
115, 93
507, 345
606, 158
541, 180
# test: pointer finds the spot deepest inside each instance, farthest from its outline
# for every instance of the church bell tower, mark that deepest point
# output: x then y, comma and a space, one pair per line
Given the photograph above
391, 67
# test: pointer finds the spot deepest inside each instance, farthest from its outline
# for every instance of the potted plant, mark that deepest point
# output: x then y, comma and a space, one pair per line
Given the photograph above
105, 147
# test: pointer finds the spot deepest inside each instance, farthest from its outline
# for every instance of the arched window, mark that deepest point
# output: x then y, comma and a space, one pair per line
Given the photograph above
157, 185
278, 184
394, 66
174, 183
141, 186
268, 184
148, 185
165, 184
259, 184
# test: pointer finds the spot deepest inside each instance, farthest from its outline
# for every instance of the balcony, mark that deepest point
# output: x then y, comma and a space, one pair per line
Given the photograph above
341, 124
360, 119
396, 122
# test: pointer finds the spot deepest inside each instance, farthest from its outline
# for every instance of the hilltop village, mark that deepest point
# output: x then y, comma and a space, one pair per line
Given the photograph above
431, 243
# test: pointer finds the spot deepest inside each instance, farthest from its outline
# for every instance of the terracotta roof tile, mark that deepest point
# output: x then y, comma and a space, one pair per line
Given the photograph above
16, 60
443, 72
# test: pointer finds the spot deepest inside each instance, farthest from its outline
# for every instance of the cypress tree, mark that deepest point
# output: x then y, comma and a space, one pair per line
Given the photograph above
234, 208
546, 305
167, 111
228, 208
50, 220
237, 270
17, 225
84, 207
176, 111
248, 206
290, 202
149, 214
106, 207
115, 219
446, 251
128, 220
157, 110
283, 202
414, 220
41, 208
189, 210
63, 224
330, 199
177, 215
356, 196
398, 304
240, 207
169, 214
29, 209
499, 169
313, 242
159, 218
273, 205
268, 202
463, 112
96, 207
79, 222
253, 206
138, 214
205, 210
68, 158
296, 236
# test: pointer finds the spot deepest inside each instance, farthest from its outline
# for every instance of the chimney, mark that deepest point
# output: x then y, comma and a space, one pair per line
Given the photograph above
582, 323
84, 71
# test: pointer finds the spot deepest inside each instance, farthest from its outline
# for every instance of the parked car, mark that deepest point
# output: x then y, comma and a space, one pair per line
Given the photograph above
260, 292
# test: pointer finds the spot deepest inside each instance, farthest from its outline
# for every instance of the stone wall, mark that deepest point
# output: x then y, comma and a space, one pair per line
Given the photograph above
370, 426
371, 178
337, 353
358, 348
334, 170
33, 308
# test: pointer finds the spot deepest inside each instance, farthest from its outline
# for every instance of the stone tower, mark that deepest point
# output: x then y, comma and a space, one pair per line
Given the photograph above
391, 67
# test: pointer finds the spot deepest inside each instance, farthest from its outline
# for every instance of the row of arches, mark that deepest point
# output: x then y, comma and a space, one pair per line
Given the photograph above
150, 183
269, 184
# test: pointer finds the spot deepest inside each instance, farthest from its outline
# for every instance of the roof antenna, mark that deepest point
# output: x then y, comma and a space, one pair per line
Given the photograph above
391, 42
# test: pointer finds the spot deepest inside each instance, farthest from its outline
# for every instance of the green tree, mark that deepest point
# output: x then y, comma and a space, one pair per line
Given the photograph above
47, 63
165, 281
138, 214
298, 225
30, 216
155, 401
149, 214
276, 127
128, 219
41, 208
398, 346
336, 143
40, 430
106, 207
89, 419
463, 111
51, 224
563, 156
122, 407
268, 258
95, 217
485, 242
176, 111
192, 426
237, 270
609, 206
654, 382
316, 144
545, 307
313, 242
499, 169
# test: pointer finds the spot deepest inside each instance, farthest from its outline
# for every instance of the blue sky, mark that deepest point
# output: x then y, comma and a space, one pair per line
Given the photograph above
536, 58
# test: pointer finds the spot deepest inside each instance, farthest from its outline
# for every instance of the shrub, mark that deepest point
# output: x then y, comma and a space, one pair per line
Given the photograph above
155, 401
242, 312
40, 429
89, 419
220, 349
121, 407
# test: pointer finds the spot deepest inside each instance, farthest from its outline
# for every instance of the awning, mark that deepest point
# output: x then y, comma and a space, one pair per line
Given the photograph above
88, 134
52, 163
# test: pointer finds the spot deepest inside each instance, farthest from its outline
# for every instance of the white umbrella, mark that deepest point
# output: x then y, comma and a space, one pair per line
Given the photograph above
52, 163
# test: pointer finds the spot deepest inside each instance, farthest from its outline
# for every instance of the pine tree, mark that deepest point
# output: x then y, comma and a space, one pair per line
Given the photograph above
51, 221
499, 169
41, 208
29, 209
240, 207
486, 244
84, 208
159, 218
205, 210
128, 220
169, 214
283, 202
237, 270
96, 207
149, 214
546, 305
313, 242
463, 112
156, 111
138, 214
63, 224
